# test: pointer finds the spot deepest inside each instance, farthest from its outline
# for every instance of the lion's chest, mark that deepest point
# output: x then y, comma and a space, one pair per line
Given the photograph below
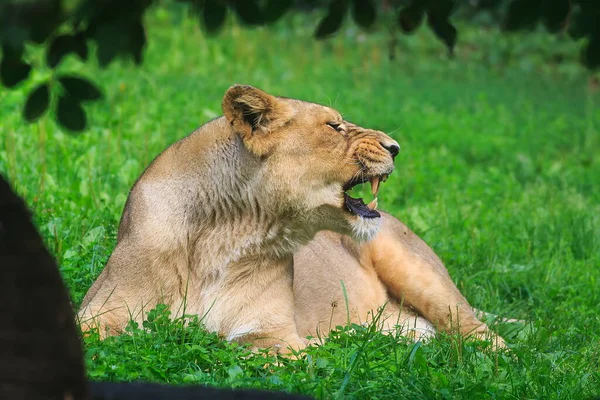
228, 276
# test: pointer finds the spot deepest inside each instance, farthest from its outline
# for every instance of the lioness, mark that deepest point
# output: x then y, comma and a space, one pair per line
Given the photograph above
247, 223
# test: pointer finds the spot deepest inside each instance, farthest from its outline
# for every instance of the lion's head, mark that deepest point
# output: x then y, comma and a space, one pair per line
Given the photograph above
311, 157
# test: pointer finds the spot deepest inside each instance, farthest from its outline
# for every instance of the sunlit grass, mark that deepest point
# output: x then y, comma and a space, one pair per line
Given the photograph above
499, 173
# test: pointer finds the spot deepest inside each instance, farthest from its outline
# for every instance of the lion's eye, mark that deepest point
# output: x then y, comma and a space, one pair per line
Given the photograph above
336, 125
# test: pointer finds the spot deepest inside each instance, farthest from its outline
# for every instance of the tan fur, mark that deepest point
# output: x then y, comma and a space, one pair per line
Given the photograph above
211, 228
395, 271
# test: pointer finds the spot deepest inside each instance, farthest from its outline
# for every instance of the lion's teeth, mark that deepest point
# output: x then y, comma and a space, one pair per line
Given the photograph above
373, 205
375, 185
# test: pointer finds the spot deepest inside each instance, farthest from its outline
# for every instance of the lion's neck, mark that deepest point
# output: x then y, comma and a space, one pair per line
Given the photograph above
235, 220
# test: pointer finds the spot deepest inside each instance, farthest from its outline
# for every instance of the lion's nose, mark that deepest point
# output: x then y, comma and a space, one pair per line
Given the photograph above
392, 146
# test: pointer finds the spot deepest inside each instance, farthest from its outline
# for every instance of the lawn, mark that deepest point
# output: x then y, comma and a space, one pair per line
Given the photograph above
499, 172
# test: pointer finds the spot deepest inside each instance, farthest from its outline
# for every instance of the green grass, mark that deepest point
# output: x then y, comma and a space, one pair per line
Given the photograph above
499, 172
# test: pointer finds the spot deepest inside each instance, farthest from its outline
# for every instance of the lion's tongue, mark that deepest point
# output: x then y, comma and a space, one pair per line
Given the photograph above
358, 207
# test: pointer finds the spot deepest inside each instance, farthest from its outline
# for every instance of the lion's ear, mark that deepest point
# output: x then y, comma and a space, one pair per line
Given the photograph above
251, 111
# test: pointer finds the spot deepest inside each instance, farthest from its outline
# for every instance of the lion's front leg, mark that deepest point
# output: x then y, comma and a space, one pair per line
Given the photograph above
136, 278
284, 342
256, 306
414, 275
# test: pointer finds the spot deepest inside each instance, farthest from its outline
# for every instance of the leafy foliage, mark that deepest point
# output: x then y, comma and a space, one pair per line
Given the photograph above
364, 13
37, 103
116, 29
333, 20
410, 18
213, 16
79, 88
62, 45
70, 114
13, 69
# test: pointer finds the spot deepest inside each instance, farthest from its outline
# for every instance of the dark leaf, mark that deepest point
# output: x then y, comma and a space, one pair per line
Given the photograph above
410, 18
486, 4
106, 53
275, 9
581, 25
522, 14
583, 20
80, 46
213, 16
309, 4
333, 20
591, 53
63, 45
13, 69
12, 52
12, 33
110, 40
60, 47
555, 14
85, 11
80, 88
137, 41
37, 103
41, 32
118, 35
444, 30
91, 30
441, 8
248, 11
45, 17
364, 13
70, 114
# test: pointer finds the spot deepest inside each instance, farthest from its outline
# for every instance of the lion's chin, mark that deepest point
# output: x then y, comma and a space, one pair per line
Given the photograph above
358, 228
339, 219
365, 229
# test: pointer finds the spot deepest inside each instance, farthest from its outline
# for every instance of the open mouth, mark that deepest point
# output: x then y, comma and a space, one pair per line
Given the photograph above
358, 206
